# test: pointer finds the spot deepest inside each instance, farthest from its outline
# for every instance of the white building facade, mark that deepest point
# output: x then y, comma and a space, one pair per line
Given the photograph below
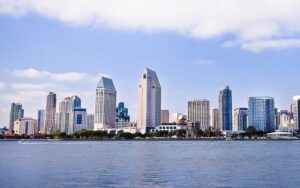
198, 111
105, 106
149, 101
90, 122
27, 126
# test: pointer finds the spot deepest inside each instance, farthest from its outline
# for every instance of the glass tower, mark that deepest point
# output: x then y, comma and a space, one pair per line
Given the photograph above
225, 109
16, 111
262, 113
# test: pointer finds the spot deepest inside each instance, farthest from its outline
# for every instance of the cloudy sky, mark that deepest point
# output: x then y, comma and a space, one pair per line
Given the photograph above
195, 46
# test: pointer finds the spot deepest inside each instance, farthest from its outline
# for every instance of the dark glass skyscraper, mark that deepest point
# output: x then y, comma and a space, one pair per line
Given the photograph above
225, 109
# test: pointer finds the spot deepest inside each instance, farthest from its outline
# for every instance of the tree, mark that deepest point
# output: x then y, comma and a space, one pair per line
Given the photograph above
251, 131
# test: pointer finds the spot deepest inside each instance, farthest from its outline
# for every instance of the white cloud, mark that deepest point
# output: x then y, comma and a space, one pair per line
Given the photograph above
31, 86
204, 62
24, 96
2, 85
261, 45
245, 20
35, 74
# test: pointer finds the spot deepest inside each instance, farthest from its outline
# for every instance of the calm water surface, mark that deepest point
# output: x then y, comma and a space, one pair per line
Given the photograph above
150, 164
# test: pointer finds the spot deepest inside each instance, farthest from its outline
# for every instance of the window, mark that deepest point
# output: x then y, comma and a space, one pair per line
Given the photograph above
144, 76
79, 119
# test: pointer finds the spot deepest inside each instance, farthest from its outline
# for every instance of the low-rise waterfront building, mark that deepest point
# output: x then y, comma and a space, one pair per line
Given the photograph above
169, 128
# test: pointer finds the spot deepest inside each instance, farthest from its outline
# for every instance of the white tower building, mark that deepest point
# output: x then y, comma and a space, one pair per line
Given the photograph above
149, 101
105, 107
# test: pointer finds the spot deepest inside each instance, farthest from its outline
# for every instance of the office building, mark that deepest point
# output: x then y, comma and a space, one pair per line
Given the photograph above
50, 113
65, 115
225, 109
164, 116
41, 120
240, 119
105, 106
27, 126
90, 122
214, 118
80, 119
296, 111
284, 118
16, 111
122, 117
149, 101
262, 113
198, 111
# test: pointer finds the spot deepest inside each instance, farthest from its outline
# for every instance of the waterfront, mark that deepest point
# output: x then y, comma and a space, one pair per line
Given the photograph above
150, 164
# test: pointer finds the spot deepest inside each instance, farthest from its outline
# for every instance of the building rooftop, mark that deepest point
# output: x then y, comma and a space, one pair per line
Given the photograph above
106, 83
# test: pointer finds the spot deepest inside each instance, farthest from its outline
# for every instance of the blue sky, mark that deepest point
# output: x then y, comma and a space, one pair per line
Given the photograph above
45, 48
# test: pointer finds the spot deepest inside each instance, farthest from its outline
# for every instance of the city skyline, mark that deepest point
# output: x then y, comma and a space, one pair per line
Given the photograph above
42, 52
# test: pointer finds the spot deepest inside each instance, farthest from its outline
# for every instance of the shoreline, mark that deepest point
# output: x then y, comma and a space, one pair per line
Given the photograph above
144, 140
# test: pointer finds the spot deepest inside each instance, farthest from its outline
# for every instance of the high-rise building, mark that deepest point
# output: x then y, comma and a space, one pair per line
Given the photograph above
276, 118
198, 111
284, 118
90, 122
225, 109
41, 120
262, 113
80, 119
149, 101
65, 115
122, 117
214, 118
50, 113
164, 116
16, 111
27, 126
296, 111
105, 107
240, 119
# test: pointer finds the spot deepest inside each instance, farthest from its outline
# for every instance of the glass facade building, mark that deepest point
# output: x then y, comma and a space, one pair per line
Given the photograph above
240, 117
41, 120
225, 109
262, 113
16, 112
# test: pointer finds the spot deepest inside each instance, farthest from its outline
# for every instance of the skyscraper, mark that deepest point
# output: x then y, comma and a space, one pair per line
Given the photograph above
50, 113
80, 120
198, 112
65, 114
262, 113
26, 126
296, 111
90, 122
240, 117
214, 118
225, 109
105, 106
165, 116
41, 120
149, 101
16, 111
